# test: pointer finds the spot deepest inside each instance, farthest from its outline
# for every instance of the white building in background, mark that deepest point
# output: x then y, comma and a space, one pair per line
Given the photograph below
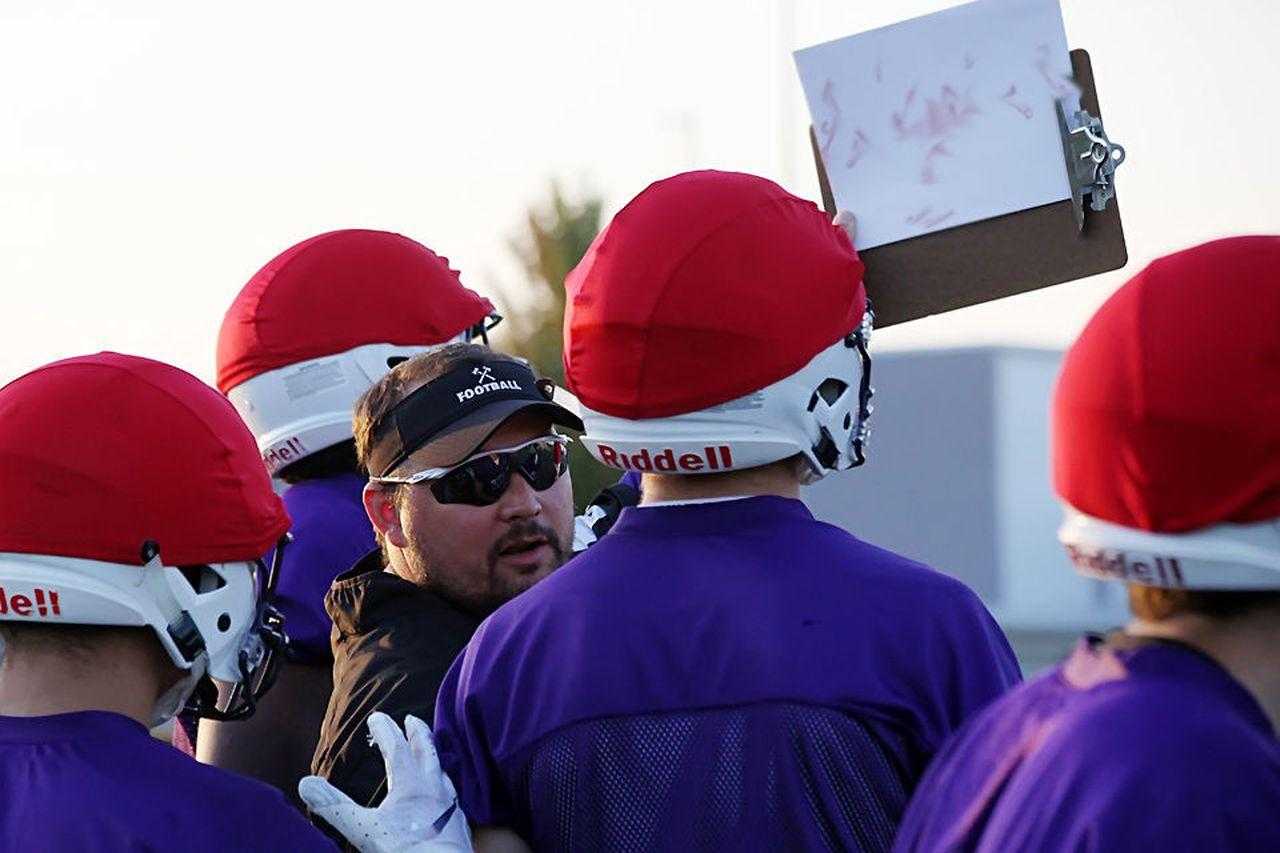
957, 476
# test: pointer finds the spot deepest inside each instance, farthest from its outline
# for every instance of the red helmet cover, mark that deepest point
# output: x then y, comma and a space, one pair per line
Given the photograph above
1166, 416
100, 453
706, 287
337, 291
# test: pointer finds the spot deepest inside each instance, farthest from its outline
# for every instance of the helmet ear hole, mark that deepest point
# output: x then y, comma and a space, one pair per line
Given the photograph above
830, 390
825, 450
202, 578
394, 360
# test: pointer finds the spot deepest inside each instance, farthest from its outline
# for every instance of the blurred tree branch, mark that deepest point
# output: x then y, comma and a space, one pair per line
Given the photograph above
556, 234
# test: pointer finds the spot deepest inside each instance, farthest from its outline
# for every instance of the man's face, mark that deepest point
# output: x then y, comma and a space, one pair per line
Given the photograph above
479, 557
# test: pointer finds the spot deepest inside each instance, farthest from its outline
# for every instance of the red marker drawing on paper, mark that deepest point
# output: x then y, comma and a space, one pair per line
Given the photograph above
860, 145
934, 221
899, 115
1008, 98
831, 124
926, 218
943, 114
929, 172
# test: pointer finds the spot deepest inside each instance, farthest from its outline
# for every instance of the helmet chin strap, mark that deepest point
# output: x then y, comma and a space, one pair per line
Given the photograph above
171, 701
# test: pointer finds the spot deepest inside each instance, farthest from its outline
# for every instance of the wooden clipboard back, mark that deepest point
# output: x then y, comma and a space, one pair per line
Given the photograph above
994, 258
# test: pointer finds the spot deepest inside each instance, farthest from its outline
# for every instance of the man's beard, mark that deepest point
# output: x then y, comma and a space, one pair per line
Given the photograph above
499, 587
503, 588
519, 532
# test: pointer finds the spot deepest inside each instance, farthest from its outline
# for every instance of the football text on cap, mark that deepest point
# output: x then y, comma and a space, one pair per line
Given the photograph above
485, 387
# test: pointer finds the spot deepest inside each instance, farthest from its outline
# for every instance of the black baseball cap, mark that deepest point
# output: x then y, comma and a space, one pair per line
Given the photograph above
455, 413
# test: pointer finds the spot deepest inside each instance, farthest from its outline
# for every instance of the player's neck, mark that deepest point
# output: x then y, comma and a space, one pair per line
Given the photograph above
777, 479
1246, 646
121, 678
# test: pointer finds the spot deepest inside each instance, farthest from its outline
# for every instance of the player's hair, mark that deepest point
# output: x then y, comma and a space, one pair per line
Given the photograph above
69, 641
798, 465
1157, 603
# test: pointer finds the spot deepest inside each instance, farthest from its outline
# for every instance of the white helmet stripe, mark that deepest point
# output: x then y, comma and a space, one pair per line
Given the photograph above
73, 591
806, 413
300, 409
1223, 557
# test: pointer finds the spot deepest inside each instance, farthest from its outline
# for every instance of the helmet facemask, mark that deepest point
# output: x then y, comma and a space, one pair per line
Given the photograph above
215, 622
248, 660
842, 411
223, 628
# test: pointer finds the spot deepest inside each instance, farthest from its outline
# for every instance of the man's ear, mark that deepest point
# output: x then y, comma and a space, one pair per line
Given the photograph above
384, 514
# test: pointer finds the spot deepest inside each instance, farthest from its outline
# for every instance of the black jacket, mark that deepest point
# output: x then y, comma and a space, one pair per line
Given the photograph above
392, 644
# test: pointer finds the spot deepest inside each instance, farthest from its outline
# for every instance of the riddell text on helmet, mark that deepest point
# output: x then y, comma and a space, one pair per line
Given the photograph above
39, 602
285, 452
711, 459
1162, 571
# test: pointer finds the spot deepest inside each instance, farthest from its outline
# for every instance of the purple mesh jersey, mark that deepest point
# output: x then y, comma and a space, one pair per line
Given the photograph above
1149, 748
330, 532
729, 675
94, 781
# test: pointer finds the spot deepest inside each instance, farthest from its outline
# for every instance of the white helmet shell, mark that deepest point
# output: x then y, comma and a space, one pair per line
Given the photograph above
820, 412
1166, 420
1221, 557
150, 464
319, 323
300, 409
204, 617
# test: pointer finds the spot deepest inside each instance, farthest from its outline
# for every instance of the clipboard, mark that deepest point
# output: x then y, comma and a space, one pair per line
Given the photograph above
999, 257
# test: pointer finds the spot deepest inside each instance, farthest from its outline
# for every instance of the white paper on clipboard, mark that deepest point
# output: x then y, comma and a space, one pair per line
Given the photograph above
942, 120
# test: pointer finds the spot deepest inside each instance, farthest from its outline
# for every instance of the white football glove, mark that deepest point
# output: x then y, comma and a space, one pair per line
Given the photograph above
584, 534
420, 813
601, 514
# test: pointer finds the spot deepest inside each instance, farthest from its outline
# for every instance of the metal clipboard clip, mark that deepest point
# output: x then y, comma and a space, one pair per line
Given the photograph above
1091, 160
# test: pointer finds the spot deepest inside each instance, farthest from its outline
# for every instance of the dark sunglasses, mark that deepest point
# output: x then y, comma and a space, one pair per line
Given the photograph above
482, 479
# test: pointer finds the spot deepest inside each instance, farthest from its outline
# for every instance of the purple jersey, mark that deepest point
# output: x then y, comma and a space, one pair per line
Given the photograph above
1146, 747
330, 533
731, 675
97, 781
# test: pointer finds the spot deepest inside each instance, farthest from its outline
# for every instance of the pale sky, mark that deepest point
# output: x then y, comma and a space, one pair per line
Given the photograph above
154, 154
